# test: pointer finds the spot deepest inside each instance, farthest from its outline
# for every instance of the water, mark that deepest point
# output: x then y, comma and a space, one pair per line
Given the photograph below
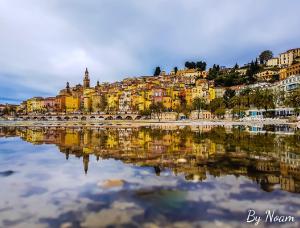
148, 176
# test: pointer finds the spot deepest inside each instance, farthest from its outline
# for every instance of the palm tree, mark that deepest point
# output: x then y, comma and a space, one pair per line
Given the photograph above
264, 99
157, 108
199, 104
293, 100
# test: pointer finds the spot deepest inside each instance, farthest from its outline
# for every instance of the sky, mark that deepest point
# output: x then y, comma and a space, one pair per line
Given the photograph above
44, 44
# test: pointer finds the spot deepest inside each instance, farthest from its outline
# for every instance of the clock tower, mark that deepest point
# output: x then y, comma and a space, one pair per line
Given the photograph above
86, 80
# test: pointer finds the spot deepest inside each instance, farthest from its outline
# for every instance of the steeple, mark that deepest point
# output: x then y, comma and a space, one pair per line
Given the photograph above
68, 87
86, 80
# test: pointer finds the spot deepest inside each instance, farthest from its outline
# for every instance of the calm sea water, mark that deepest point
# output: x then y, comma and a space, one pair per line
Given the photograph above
148, 176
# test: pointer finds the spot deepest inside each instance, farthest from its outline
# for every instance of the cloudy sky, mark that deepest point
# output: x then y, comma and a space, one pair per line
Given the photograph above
43, 44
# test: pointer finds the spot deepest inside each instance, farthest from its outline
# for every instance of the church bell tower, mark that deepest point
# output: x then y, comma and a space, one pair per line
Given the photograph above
86, 80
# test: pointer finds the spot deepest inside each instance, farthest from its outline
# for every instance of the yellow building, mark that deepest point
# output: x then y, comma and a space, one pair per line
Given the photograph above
289, 71
112, 101
34, 136
188, 96
197, 92
212, 93
167, 102
111, 140
141, 100
190, 73
96, 99
35, 104
87, 99
72, 138
174, 94
175, 103
266, 75
72, 104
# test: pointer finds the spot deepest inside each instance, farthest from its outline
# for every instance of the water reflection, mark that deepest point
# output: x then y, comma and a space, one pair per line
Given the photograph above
267, 158
159, 176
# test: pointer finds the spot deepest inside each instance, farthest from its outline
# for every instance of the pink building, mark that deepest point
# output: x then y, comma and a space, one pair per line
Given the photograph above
50, 104
158, 94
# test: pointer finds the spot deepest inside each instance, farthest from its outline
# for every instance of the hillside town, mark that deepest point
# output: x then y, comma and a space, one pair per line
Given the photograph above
266, 87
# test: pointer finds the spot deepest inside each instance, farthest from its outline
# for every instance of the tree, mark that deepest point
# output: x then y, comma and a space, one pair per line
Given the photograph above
252, 70
293, 100
201, 66
246, 96
227, 96
193, 65
265, 56
157, 71
157, 109
217, 106
190, 65
264, 99
146, 112
275, 78
238, 105
213, 72
183, 107
268, 99
199, 104
175, 70
9, 110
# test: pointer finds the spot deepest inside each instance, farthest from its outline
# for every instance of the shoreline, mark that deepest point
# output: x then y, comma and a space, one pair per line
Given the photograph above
95, 123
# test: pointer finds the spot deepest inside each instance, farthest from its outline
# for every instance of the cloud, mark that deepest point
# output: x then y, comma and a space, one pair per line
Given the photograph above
46, 43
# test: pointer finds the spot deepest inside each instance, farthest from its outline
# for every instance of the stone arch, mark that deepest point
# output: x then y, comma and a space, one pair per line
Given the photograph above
75, 118
92, 117
109, 118
119, 118
66, 118
101, 117
58, 118
83, 118
138, 117
129, 118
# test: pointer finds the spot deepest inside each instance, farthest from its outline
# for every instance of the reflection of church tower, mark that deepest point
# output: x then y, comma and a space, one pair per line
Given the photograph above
86, 80
67, 154
86, 160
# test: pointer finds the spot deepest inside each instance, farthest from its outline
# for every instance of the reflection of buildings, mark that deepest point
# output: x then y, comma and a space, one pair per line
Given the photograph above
269, 159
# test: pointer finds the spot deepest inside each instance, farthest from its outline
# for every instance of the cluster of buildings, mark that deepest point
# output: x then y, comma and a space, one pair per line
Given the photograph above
285, 65
128, 96
136, 94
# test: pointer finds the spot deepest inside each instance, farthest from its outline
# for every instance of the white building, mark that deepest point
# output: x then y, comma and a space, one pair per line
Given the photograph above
291, 83
273, 62
288, 57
